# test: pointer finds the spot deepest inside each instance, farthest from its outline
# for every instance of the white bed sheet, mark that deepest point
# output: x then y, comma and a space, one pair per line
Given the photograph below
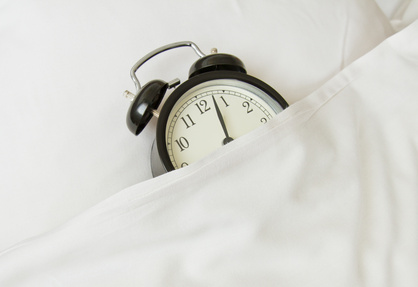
344, 214
326, 195
64, 66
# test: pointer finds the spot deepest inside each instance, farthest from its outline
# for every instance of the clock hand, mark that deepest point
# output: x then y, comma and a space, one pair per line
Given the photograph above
221, 120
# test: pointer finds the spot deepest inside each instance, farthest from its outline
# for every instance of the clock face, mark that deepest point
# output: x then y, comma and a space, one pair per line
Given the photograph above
211, 114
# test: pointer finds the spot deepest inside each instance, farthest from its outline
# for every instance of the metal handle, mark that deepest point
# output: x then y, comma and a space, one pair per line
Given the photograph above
158, 51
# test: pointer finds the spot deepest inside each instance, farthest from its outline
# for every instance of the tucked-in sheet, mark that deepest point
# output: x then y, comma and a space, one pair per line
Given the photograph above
323, 195
65, 64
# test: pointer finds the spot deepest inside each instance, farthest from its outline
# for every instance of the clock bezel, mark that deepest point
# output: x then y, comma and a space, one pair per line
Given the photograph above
191, 83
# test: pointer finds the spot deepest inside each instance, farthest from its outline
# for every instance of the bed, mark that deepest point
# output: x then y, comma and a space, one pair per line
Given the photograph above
326, 194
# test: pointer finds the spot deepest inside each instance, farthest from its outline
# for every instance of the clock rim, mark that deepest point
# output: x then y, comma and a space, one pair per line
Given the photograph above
160, 137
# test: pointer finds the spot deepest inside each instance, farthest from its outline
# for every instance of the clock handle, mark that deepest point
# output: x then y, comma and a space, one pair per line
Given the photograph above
147, 98
158, 51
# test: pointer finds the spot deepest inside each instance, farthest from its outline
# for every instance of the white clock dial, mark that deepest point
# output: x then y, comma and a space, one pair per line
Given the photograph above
213, 113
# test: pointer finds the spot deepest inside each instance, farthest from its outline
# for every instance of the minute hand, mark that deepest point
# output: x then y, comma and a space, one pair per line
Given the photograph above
227, 138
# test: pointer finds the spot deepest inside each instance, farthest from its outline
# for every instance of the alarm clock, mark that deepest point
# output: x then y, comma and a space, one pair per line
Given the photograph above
217, 104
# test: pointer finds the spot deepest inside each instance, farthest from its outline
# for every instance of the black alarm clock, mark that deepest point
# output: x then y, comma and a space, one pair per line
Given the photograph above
217, 104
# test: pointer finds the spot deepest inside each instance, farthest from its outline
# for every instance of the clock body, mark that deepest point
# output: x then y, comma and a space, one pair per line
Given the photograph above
217, 104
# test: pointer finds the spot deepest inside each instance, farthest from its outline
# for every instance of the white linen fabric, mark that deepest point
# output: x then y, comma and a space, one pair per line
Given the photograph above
325, 194
401, 13
64, 66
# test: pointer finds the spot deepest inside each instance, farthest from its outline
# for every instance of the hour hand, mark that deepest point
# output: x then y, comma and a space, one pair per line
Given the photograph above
227, 138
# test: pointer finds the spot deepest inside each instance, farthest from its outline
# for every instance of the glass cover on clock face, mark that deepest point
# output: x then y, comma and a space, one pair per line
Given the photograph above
212, 114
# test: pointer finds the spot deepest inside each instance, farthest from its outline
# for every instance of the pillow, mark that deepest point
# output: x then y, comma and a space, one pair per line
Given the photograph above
401, 13
65, 145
